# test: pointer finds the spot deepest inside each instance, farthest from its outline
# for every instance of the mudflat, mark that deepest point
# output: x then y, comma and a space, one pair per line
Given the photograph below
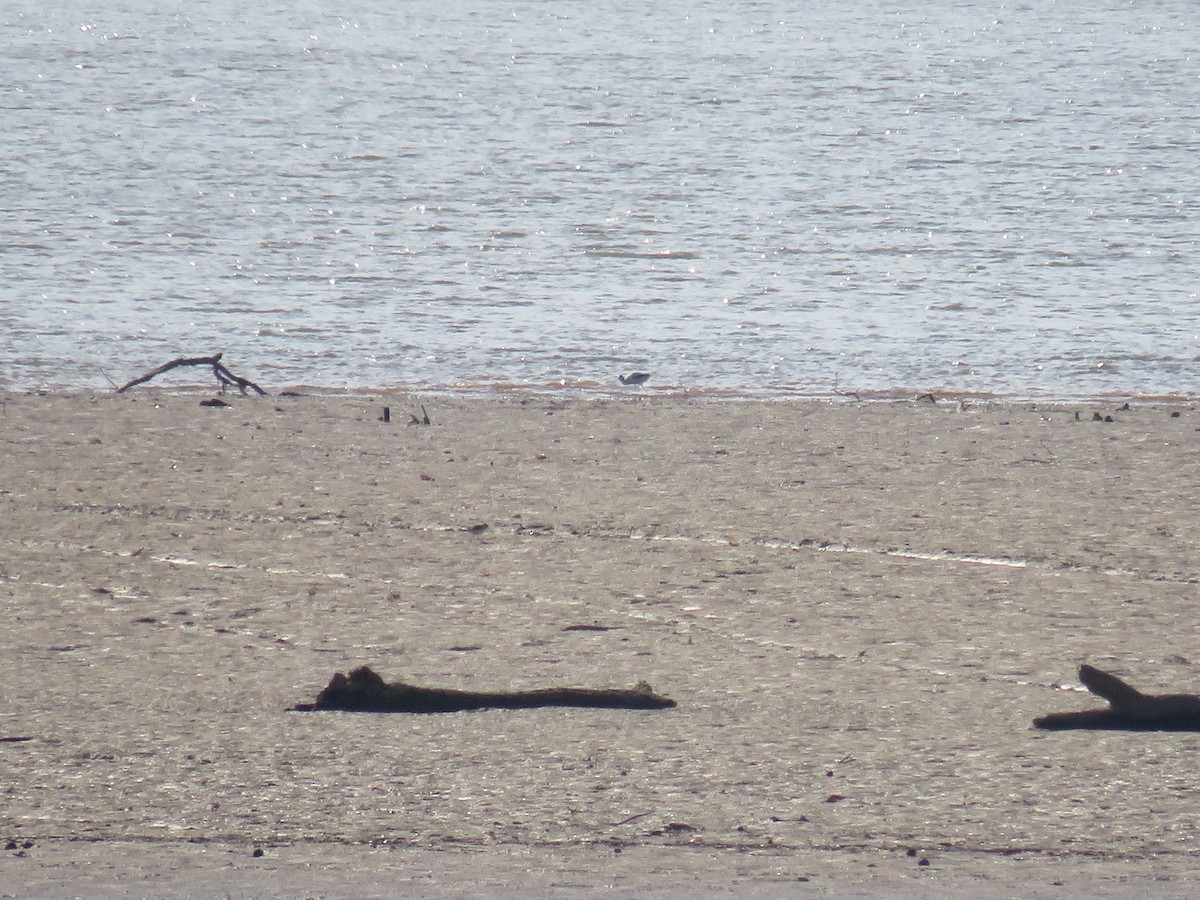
859, 608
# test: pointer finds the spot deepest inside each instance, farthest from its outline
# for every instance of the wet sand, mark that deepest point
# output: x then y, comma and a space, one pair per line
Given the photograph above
859, 609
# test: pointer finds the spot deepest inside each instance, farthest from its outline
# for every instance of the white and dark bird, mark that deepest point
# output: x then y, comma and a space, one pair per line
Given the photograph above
638, 378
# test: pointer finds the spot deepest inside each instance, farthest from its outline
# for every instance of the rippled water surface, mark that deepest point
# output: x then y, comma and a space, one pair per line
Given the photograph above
970, 196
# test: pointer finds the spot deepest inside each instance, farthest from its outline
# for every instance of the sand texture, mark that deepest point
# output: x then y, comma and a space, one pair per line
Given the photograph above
859, 608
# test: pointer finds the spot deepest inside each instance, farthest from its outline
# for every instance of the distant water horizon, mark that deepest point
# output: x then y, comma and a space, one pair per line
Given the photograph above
873, 198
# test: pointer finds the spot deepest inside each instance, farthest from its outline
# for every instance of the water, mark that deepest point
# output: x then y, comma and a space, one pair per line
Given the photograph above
969, 196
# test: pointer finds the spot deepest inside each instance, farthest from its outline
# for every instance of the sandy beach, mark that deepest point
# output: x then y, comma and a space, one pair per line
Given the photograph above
859, 608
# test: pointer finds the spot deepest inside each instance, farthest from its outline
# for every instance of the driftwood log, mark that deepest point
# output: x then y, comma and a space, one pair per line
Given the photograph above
365, 691
222, 374
1129, 709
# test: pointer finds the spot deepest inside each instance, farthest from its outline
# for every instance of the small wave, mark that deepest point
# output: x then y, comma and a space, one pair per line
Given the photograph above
638, 254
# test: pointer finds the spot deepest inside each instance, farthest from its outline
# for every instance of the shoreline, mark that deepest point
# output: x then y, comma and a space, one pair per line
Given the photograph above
860, 608
585, 391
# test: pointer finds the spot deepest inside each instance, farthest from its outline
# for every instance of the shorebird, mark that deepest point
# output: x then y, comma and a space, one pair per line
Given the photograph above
638, 378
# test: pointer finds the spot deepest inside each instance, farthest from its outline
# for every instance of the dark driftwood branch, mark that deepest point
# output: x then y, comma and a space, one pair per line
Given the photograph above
1129, 709
222, 374
365, 691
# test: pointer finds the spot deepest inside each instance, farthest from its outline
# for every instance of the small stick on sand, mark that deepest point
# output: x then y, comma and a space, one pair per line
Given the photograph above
1129, 709
365, 691
222, 374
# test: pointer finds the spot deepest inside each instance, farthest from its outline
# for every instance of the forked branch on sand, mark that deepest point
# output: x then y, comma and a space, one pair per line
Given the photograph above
1129, 709
222, 374
365, 691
